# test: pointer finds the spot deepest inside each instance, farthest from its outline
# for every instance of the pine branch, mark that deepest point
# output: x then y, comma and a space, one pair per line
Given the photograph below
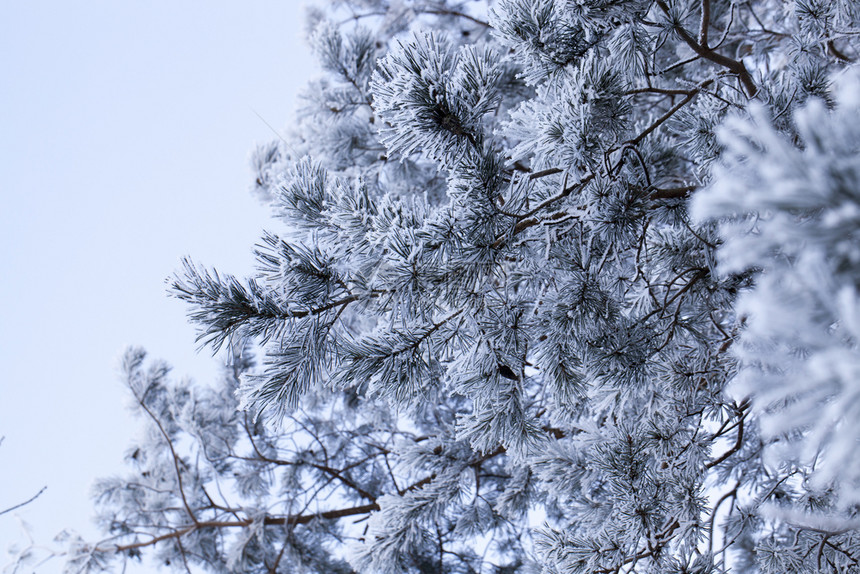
734, 66
289, 520
141, 401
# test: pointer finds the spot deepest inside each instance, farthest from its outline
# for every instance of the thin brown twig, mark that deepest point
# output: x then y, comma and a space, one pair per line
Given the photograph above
174, 456
26, 502
738, 443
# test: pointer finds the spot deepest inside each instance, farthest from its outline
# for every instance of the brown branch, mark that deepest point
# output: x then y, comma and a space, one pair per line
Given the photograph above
678, 64
561, 195
662, 538
735, 66
289, 520
706, 22
627, 147
530, 222
155, 540
268, 521
738, 443
339, 303
458, 14
325, 515
332, 472
345, 480
436, 12
279, 557
328, 307
545, 172
672, 192
672, 111
527, 220
142, 403
700, 274
732, 493
831, 46
26, 502
655, 90
728, 26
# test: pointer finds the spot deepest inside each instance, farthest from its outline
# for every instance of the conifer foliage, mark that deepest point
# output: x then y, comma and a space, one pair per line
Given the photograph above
559, 286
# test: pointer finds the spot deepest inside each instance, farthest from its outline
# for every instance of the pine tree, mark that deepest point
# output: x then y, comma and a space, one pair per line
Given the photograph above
558, 286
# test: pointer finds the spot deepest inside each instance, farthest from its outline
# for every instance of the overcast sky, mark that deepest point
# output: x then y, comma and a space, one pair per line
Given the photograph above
125, 129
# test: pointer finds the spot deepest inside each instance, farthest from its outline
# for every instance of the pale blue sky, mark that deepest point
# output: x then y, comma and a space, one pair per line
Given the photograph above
125, 129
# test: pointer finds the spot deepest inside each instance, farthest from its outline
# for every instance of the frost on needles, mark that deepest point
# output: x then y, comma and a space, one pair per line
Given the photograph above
553, 286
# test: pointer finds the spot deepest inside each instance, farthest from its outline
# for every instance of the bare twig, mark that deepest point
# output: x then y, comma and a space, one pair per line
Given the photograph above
141, 401
740, 439
26, 502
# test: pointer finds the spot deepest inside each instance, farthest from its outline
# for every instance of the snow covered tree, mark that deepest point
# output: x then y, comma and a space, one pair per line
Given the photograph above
529, 307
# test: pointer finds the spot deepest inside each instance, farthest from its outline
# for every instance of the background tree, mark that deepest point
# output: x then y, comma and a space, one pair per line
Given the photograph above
494, 340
